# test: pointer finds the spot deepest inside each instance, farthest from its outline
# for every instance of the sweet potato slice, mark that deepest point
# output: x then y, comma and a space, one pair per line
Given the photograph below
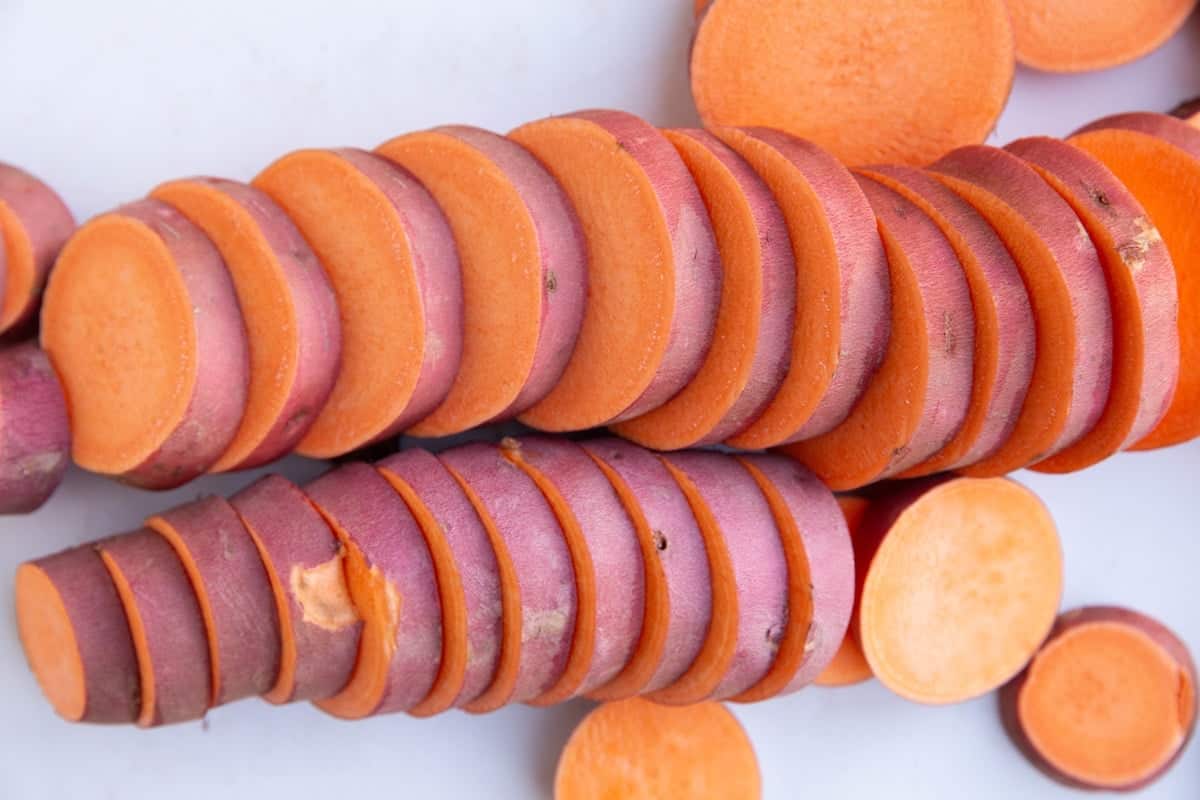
35, 434
1157, 158
638, 749
753, 336
1108, 702
392, 261
654, 274
319, 626
678, 597
879, 81
843, 295
749, 577
290, 311
1005, 333
34, 225
849, 666
174, 678
919, 398
156, 382
1016, 183
234, 594
76, 637
536, 573
467, 574
961, 583
392, 583
820, 579
1086, 35
524, 275
1141, 290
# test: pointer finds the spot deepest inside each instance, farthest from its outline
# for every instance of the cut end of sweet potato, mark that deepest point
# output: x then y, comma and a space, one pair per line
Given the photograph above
962, 590
34, 224
634, 748
881, 82
51, 647
1086, 35
1107, 703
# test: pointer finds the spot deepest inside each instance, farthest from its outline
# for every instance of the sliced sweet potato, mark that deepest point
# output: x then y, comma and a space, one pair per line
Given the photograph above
35, 433
34, 225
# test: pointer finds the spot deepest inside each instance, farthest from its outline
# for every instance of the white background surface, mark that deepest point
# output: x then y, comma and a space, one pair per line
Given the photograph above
106, 99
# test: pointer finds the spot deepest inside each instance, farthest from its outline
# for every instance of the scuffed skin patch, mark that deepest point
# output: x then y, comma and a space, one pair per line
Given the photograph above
543, 624
323, 596
1133, 252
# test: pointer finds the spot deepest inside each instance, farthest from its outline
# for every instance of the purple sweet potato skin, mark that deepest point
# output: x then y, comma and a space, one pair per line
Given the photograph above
292, 535
563, 259
222, 353
46, 222
949, 322
435, 260
680, 549
1010, 694
474, 559
318, 333
1000, 287
830, 554
379, 524
1016, 183
35, 434
176, 643
612, 541
540, 559
231, 576
759, 566
110, 669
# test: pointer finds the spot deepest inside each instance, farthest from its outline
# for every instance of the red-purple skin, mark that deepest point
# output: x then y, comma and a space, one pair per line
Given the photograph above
222, 353
230, 576
1164, 637
292, 535
1016, 183
176, 644
46, 221
680, 548
377, 521
439, 279
865, 301
563, 256
318, 329
110, 670
755, 549
948, 316
697, 263
830, 554
612, 542
1005, 292
1163, 126
1149, 264
474, 559
540, 558
35, 434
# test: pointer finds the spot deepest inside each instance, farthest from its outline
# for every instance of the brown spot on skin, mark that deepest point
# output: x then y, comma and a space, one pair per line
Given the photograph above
1099, 197
660, 541
551, 282
949, 340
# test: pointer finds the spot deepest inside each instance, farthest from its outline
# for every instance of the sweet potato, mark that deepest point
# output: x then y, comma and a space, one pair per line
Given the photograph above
392, 261
1108, 702
155, 382
319, 627
524, 271
536, 573
392, 583
289, 308
843, 298
467, 573
654, 274
753, 337
35, 436
76, 637
34, 225
849, 666
678, 597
